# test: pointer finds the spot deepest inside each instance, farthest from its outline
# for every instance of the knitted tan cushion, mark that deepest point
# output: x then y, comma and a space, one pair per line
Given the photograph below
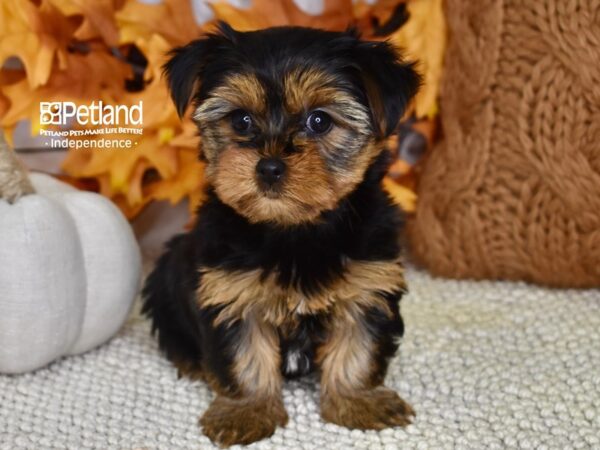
513, 189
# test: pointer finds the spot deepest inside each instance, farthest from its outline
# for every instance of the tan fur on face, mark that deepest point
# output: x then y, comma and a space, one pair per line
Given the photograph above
309, 89
322, 169
244, 293
239, 91
349, 147
306, 192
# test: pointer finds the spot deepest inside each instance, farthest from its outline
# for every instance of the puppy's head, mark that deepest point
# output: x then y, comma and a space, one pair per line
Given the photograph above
290, 118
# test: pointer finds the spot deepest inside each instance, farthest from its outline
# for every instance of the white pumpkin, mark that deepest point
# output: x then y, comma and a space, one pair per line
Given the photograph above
70, 269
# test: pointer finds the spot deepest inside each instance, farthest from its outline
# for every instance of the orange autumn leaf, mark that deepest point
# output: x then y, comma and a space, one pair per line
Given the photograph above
97, 18
4, 105
371, 16
123, 203
423, 39
159, 111
189, 181
94, 76
134, 194
119, 164
402, 195
188, 137
336, 15
173, 20
381, 10
399, 168
36, 35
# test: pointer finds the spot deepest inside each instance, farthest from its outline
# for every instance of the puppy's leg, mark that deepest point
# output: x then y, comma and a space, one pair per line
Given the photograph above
353, 363
258, 409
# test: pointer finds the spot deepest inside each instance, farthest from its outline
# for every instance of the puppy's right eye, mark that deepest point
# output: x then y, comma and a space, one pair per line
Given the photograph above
241, 121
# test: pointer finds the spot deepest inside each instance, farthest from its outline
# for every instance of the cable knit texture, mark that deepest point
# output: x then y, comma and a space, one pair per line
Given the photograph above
513, 189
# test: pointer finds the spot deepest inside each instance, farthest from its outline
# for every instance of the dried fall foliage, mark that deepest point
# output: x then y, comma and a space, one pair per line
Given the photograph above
113, 50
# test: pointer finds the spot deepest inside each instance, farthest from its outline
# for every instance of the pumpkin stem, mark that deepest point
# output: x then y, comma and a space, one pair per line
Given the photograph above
14, 180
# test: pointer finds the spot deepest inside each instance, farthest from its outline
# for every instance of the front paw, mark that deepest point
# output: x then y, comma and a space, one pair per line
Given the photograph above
230, 421
372, 409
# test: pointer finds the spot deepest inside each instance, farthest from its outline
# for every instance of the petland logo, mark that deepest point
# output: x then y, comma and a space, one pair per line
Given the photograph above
95, 126
63, 113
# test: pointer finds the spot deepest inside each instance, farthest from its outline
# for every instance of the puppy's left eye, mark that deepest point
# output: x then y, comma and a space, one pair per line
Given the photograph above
241, 121
319, 122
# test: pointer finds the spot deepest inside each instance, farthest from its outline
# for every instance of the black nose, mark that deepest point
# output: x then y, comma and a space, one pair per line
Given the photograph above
270, 170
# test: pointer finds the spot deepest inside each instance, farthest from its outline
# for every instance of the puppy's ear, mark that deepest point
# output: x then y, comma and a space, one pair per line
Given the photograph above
389, 82
186, 66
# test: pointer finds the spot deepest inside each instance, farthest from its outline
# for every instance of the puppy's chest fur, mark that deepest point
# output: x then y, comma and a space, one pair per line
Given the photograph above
240, 294
300, 318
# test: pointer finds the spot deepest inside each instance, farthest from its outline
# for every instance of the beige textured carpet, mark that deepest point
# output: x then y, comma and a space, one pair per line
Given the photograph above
486, 365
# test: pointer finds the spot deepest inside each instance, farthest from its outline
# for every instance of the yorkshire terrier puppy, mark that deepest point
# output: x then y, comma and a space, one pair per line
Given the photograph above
293, 264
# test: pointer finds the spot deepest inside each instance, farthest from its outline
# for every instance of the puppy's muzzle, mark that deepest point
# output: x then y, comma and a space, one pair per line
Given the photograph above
270, 172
